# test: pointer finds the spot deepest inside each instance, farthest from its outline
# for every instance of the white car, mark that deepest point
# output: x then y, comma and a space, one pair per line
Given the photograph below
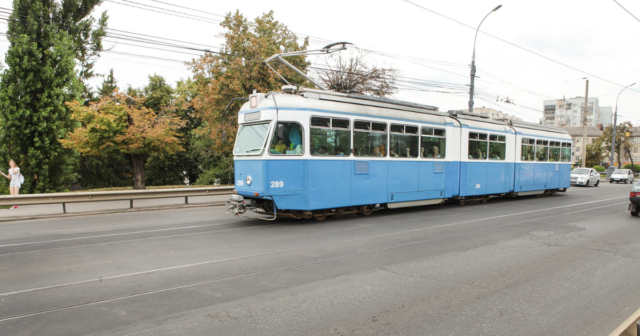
585, 176
622, 175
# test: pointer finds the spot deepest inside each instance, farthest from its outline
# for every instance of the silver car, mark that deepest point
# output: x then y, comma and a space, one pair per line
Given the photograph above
585, 176
622, 175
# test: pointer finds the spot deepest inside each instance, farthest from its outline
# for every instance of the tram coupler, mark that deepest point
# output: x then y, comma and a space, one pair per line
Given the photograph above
238, 205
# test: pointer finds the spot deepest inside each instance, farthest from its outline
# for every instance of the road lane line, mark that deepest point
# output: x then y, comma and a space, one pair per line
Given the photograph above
297, 248
114, 234
14, 317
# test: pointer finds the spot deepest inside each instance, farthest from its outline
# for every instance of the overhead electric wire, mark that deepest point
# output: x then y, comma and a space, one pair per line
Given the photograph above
517, 46
626, 10
401, 80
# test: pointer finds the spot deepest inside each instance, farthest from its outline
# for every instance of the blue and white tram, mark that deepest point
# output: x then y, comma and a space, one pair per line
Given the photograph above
318, 153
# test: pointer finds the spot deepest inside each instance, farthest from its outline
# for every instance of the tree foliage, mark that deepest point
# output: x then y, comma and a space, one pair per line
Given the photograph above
39, 80
595, 152
86, 35
352, 74
621, 139
123, 125
237, 71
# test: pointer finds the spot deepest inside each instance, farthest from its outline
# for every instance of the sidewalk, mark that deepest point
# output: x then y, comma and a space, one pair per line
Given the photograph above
55, 210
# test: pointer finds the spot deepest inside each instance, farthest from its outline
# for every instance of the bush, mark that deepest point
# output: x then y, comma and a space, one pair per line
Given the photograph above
599, 168
635, 166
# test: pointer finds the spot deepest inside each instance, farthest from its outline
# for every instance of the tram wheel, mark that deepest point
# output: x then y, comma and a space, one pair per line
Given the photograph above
484, 200
462, 202
367, 210
320, 216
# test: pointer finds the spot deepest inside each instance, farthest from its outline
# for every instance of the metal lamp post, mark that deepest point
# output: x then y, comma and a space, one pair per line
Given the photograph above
613, 140
473, 62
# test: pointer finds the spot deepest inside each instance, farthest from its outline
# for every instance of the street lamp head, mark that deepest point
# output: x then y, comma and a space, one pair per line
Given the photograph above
495, 9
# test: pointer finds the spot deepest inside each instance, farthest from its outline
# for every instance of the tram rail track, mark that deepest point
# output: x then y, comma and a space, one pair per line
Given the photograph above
291, 266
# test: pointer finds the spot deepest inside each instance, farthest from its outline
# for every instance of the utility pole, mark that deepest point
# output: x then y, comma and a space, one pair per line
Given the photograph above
473, 62
584, 126
613, 138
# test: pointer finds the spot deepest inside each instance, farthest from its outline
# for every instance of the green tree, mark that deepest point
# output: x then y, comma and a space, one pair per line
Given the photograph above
86, 35
109, 85
621, 139
172, 168
123, 125
595, 152
39, 80
237, 71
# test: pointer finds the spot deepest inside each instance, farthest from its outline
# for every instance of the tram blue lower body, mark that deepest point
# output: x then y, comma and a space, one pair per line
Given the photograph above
326, 184
542, 176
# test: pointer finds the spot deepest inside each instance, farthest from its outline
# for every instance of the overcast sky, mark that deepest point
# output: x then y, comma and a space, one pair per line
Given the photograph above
596, 37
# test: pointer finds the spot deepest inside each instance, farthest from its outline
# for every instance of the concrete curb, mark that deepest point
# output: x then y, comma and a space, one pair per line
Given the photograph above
107, 212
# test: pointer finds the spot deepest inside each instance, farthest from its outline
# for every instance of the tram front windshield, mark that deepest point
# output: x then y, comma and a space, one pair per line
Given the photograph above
251, 139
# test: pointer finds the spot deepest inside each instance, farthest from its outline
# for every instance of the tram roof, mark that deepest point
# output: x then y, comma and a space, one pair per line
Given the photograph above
354, 104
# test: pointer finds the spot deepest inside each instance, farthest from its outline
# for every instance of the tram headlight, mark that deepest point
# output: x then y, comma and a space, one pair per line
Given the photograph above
248, 180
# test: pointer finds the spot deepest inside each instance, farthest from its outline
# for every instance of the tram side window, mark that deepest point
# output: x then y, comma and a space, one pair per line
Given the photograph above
330, 136
566, 152
404, 141
542, 150
287, 139
369, 138
528, 149
477, 146
497, 147
554, 151
433, 143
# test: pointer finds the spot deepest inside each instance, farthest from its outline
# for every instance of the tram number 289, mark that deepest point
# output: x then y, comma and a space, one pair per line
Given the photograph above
277, 184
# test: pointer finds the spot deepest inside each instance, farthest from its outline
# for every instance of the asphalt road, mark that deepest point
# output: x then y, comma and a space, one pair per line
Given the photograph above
555, 265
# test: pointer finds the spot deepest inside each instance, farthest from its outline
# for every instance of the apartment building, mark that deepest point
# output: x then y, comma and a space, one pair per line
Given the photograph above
569, 112
576, 132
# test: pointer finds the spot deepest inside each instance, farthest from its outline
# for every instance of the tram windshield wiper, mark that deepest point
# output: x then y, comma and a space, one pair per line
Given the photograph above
253, 150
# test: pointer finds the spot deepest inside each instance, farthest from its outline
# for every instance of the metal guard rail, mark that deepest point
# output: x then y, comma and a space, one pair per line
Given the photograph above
101, 196
629, 327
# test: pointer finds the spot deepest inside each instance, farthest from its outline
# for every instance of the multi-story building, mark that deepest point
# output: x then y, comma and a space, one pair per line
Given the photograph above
576, 132
606, 116
490, 113
569, 112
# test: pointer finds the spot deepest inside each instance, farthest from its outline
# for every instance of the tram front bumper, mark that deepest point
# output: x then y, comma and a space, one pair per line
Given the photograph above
238, 205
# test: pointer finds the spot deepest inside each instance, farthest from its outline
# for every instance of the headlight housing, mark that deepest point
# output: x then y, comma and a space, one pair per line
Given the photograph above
248, 180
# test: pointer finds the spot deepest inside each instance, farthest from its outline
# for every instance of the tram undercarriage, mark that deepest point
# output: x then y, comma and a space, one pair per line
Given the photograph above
239, 205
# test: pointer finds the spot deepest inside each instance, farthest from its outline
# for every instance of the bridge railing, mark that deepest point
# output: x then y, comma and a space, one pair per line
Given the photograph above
102, 196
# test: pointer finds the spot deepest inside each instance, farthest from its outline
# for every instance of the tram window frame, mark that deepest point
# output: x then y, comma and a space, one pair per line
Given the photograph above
530, 144
378, 130
434, 140
497, 144
340, 128
476, 139
401, 133
274, 136
542, 144
264, 141
565, 152
555, 147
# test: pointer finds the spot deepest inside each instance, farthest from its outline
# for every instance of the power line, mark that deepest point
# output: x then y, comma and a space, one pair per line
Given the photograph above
515, 45
627, 10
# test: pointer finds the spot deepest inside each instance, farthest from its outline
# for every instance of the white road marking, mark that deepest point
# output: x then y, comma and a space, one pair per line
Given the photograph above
302, 248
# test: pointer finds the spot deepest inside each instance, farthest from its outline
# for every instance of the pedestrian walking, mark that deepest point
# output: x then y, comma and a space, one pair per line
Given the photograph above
16, 179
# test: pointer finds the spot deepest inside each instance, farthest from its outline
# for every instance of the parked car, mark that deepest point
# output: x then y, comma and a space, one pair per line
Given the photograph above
634, 198
585, 177
621, 175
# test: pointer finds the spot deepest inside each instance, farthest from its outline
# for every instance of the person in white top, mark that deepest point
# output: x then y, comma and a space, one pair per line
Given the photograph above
14, 176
